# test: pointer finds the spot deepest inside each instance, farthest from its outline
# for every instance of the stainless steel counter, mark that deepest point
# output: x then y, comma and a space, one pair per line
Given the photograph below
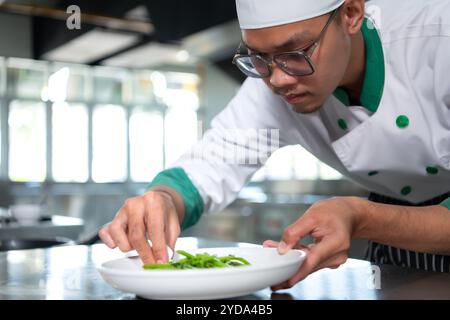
69, 272
50, 227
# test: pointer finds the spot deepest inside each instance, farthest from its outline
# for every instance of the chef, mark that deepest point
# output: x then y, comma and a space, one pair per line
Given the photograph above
362, 86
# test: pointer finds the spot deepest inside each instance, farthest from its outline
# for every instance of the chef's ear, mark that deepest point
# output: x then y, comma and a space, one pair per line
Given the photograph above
352, 15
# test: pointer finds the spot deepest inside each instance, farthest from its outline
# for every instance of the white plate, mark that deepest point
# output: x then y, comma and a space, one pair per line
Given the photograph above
267, 268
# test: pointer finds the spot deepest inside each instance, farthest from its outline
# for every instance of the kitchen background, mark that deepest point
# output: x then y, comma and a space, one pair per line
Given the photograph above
89, 115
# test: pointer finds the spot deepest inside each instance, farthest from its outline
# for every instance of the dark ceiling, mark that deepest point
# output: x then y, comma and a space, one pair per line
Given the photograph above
171, 20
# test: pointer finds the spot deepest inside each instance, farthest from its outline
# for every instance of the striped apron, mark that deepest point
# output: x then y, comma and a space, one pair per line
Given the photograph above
384, 254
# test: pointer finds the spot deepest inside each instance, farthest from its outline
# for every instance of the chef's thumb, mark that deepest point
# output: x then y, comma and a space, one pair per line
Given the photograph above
293, 234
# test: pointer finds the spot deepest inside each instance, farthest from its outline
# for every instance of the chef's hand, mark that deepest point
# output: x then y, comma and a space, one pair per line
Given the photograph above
156, 214
331, 223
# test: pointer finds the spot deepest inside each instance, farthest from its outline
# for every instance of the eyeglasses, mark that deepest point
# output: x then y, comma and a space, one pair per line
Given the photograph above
294, 63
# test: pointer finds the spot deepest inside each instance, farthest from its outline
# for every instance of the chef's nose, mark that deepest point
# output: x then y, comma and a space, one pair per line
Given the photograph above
279, 78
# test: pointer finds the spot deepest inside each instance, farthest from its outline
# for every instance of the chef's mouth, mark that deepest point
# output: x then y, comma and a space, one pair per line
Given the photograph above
295, 98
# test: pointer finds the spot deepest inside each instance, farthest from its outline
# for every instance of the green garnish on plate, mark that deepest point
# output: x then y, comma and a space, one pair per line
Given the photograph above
199, 261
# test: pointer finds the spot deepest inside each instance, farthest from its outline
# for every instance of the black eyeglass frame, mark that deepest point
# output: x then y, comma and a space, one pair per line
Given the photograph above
277, 58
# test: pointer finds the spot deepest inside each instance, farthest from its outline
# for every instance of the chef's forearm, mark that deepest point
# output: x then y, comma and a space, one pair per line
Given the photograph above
421, 229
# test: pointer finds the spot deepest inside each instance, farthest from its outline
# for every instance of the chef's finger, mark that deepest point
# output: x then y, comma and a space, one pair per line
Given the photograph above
294, 233
136, 235
106, 237
155, 223
117, 230
274, 244
333, 262
270, 244
173, 229
307, 267
318, 254
280, 286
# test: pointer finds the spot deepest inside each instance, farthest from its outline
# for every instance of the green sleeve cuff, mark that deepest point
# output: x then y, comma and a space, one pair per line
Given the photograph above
177, 179
446, 203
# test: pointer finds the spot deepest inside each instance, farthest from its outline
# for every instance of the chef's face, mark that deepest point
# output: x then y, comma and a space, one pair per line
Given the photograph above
330, 58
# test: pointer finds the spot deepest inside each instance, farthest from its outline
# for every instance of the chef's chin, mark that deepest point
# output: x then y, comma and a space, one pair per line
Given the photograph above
305, 107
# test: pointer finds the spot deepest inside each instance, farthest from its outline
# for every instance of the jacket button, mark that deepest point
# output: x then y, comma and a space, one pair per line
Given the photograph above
342, 124
406, 190
402, 121
432, 170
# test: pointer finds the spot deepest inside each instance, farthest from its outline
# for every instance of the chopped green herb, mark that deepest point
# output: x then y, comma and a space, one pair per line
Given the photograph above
199, 261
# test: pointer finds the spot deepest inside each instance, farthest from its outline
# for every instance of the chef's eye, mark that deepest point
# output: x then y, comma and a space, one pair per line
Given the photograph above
306, 48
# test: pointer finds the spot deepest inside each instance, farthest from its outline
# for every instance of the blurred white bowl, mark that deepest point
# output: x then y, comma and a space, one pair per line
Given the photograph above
26, 214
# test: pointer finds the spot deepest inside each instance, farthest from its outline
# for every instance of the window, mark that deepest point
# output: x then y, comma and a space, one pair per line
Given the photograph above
306, 166
77, 85
2, 76
27, 141
280, 164
180, 132
2, 106
1, 138
70, 142
146, 144
143, 87
109, 143
161, 126
178, 92
68, 82
328, 173
111, 86
25, 78
295, 162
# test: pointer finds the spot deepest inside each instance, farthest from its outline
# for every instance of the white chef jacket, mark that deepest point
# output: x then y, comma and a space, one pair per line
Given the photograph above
396, 144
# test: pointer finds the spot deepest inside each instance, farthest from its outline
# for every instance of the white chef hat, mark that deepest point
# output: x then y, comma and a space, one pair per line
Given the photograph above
255, 14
